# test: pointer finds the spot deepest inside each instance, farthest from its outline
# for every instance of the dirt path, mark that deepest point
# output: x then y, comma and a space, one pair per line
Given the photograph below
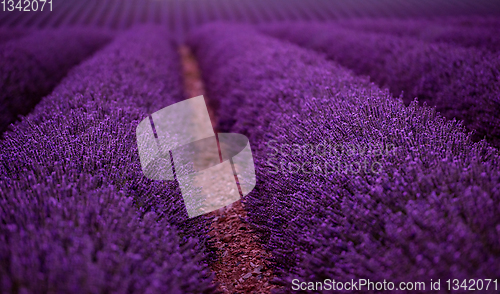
241, 265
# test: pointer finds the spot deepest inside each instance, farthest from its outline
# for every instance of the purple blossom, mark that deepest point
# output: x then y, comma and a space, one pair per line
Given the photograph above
9, 34
462, 83
77, 214
432, 210
32, 66
481, 37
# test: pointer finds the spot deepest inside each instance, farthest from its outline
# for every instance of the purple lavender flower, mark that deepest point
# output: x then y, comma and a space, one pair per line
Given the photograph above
462, 83
10, 34
77, 213
430, 209
32, 66
481, 37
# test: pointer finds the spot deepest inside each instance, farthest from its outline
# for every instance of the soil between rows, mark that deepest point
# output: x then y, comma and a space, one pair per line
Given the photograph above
241, 266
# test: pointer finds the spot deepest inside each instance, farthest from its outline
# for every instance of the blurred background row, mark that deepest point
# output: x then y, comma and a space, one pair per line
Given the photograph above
183, 15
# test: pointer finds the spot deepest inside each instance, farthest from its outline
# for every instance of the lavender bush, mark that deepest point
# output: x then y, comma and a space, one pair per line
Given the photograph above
486, 38
9, 34
32, 66
462, 83
430, 210
77, 214
470, 20
86, 237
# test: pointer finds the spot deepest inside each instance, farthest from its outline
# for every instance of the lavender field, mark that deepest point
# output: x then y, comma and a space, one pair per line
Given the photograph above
374, 128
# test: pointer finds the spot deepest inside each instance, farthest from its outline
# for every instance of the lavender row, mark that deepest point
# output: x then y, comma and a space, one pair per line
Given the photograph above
9, 34
461, 82
181, 15
351, 183
470, 21
32, 66
77, 214
485, 38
